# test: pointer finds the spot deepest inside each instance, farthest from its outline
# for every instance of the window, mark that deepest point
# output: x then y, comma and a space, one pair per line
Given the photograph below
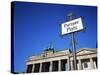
85, 65
29, 68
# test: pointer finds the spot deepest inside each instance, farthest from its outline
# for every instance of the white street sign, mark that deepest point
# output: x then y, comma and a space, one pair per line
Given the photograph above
71, 26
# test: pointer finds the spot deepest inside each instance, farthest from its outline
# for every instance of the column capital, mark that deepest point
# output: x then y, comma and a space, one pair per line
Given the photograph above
91, 59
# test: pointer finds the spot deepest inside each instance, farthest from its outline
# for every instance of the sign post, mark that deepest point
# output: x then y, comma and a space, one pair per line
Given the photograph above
72, 26
74, 50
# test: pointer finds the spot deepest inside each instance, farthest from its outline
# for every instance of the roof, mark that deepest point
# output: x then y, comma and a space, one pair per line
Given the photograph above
80, 51
83, 51
87, 49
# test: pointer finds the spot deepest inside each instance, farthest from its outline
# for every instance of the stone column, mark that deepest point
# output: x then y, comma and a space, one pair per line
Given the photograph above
33, 67
95, 64
26, 68
40, 67
80, 64
72, 66
68, 62
59, 65
50, 68
92, 64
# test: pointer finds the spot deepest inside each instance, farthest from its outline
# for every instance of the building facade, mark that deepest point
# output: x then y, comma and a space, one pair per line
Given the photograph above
50, 60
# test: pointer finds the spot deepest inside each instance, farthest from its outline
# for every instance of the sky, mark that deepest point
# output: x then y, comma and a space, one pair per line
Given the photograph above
37, 25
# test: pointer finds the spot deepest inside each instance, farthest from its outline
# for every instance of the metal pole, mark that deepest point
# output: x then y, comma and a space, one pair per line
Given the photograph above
74, 51
73, 45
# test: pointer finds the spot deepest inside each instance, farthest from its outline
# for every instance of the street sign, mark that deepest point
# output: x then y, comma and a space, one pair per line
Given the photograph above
71, 26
